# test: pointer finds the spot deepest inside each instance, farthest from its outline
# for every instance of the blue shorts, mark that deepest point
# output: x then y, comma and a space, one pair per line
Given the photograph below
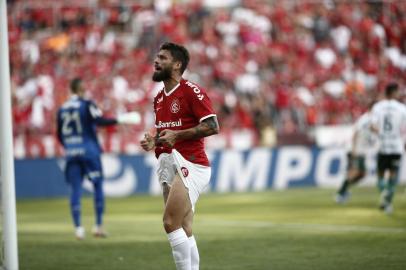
79, 167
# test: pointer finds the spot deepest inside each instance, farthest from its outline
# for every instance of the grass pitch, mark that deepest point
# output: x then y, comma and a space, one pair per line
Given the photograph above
294, 229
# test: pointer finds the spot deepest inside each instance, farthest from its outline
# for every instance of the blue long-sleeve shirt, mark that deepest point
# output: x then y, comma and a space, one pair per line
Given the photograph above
76, 127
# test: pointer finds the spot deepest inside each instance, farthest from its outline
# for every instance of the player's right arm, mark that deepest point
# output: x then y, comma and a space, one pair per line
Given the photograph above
359, 127
148, 142
354, 141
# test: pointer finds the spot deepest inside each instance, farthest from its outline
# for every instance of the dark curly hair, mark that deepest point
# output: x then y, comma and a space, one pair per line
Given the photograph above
178, 52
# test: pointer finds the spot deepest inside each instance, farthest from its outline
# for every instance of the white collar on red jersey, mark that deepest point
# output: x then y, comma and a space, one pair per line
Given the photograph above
172, 90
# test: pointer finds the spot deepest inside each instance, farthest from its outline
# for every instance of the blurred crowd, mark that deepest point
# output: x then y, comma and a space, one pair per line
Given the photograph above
274, 68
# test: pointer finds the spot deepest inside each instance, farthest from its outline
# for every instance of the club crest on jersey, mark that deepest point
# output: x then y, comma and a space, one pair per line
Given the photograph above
185, 171
175, 106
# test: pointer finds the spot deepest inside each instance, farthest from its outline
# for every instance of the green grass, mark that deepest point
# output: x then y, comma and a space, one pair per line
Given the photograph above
294, 229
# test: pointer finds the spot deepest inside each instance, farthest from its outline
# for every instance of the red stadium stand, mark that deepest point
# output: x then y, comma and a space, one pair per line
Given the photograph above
272, 70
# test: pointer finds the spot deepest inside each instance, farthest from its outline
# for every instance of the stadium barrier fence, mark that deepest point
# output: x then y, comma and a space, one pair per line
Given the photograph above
232, 171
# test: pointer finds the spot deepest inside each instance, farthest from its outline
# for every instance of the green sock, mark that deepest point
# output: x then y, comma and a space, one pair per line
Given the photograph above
390, 188
381, 184
344, 187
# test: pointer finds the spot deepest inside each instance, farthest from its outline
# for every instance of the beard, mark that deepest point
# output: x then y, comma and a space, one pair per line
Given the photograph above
161, 75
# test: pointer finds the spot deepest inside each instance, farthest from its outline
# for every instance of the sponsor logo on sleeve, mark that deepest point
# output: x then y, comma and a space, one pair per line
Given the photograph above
196, 90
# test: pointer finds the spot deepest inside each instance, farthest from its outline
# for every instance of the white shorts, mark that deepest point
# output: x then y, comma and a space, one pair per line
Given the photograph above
195, 177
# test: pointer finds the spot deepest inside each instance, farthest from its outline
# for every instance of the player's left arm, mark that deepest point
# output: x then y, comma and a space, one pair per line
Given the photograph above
207, 127
59, 129
354, 141
130, 118
97, 116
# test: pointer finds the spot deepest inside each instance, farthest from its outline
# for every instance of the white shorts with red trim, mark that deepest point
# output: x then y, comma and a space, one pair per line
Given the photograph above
195, 177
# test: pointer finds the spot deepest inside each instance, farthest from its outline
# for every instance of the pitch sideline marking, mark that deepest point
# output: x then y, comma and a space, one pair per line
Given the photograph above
309, 226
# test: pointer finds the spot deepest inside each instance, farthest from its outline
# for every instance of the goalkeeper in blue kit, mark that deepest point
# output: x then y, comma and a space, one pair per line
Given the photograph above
77, 120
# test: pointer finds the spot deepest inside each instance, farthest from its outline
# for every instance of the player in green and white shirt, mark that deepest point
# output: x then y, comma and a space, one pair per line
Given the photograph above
389, 122
364, 140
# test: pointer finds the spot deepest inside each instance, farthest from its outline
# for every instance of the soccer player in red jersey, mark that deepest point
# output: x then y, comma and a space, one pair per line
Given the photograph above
183, 117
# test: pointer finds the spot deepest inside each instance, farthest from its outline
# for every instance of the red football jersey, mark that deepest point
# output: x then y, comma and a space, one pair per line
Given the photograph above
185, 106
